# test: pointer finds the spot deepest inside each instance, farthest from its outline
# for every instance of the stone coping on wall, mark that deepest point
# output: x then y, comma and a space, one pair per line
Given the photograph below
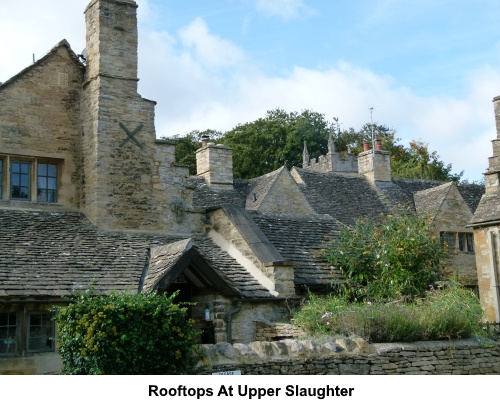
353, 356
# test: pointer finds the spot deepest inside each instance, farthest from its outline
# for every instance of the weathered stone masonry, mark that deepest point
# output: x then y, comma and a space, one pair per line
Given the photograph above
354, 356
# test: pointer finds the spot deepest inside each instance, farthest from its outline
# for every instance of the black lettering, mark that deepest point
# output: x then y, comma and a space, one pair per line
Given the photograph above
153, 390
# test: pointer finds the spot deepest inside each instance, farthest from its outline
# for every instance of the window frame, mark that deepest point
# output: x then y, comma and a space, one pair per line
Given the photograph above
7, 175
462, 241
9, 337
47, 176
51, 338
20, 173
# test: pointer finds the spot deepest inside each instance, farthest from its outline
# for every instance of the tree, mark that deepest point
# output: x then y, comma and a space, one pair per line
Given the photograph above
397, 257
187, 145
125, 334
417, 162
276, 140
412, 162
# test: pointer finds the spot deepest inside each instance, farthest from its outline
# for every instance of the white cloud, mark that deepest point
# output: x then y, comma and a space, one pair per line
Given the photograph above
211, 50
459, 129
285, 9
204, 81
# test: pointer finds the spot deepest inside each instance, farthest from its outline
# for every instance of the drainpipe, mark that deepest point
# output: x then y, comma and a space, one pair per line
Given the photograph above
229, 320
495, 286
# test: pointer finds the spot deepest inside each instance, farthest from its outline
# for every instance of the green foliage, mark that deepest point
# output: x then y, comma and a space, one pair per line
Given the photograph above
412, 162
462, 309
125, 334
187, 145
276, 140
397, 257
450, 313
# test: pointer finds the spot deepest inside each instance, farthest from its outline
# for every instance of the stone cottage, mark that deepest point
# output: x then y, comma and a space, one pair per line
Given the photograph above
486, 225
89, 198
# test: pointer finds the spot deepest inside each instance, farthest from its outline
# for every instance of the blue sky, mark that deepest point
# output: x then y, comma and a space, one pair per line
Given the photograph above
429, 67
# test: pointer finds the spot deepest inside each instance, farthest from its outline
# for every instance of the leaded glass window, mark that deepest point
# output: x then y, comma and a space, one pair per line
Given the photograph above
40, 332
47, 182
8, 333
20, 180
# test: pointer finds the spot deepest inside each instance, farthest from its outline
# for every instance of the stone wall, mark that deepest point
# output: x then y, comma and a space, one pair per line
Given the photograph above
285, 197
486, 241
353, 356
268, 331
39, 119
131, 179
333, 162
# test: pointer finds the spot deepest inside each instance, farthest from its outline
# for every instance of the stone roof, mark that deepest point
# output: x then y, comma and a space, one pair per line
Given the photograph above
347, 198
62, 43
259, 187
488, 210
206, 197
56, 253
428, 202
302, 239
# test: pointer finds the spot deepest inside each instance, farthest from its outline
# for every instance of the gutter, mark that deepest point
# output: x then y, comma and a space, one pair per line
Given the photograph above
229, 320
481, 224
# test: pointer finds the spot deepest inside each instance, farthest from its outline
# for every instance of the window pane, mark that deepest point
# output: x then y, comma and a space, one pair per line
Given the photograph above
449, 239
51, 183
8, 337
42, 182
461, 242
47, 182
470, 242
20, 181
52, 170
41, 332
23, 193
42, 195
51, 196
42, 169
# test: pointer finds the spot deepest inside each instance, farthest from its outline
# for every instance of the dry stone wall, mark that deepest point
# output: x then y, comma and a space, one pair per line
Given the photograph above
353, 356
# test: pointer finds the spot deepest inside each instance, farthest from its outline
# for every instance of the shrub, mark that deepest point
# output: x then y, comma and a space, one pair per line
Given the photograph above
397, 257
451, 313
125, 334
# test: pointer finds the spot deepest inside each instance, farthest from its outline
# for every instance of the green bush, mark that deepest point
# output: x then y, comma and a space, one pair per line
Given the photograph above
451, 313
396, 258
125, 334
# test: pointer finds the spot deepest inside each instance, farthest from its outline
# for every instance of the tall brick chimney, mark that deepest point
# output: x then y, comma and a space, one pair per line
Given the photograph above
375, 165
215, 164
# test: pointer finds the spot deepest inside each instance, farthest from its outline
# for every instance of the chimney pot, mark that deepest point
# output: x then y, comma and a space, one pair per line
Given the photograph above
366, 146
378, 144
204, 140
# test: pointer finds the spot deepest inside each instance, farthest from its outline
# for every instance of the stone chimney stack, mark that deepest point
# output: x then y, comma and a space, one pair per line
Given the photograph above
375, 165
492, 176
215, 164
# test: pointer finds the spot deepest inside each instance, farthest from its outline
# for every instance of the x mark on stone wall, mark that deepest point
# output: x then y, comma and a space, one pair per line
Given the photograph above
131, 135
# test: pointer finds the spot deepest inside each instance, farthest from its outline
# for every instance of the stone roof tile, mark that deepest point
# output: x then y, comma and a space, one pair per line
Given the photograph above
302, 239
46, 253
